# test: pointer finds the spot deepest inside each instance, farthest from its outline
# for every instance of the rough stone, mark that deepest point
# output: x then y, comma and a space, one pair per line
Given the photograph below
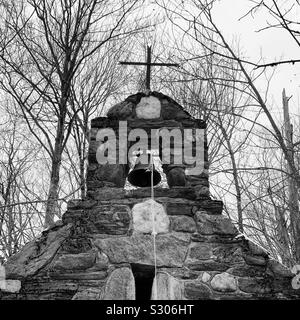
168, 287
183, 224
200, 251
212, 206
254, 285
110, 219
256, 249
224, 282
90, 253
206, 265
172, 110
148, 108
148, 215
244, 270
11, 286
176, 177
205, 277
197, 291
255, 260
115, 174
88, 294
279, 270
211, 224
121, 111
36, 255
79, 261
120, 285
176, 208
171, 249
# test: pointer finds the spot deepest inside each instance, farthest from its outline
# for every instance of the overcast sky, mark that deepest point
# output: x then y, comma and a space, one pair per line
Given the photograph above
270, 44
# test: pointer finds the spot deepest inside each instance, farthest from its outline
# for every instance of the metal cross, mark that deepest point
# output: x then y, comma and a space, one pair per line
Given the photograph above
149, 64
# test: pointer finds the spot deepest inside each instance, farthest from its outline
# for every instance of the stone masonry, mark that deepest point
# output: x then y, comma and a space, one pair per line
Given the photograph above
103, 247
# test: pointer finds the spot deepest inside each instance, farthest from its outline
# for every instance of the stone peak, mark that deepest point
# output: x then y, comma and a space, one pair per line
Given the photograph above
150, 105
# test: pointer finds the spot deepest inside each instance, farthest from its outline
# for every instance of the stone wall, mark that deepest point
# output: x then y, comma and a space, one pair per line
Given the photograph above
200, 256
155, 111
104, 246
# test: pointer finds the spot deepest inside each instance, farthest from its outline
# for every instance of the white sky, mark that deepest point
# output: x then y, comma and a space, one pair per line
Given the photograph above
270, 44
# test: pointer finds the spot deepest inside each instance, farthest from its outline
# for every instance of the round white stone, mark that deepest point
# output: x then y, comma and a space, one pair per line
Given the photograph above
224, 282
143, 215
148, 108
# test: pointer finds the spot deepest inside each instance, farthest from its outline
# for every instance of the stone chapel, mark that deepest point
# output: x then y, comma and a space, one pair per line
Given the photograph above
103, 248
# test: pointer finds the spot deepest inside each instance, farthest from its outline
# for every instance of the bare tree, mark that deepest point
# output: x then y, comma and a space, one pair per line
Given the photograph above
52, 42
195, 21
20, 209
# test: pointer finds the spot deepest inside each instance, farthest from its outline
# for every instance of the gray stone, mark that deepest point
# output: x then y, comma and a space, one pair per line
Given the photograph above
168, 287
254, 285
120, 285
224, 282
171, 110
148, 216
37, 254
245, 270
205, 277
176, 177
148, 108
196, 290
108, 219
87, 275
255, 260
115, 174
11, 286
200, 251
279, 270
88, 294
256, 249
183, 224
177, 208
80, 261
206, 265
171, 249
121, 111
214, 224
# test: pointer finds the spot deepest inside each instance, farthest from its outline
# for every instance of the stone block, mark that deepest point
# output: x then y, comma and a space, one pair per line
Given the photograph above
37, 254
80, 261
254, 285
214, 224
108, 219
148, 108
183, 224
120, 285
224, 282
88, 294
171, 249
168, 287
10, 286
148, 216
196, 290
121, 111
176, 177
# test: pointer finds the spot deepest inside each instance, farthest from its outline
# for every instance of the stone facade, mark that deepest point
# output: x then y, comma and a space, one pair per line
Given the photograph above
103, 247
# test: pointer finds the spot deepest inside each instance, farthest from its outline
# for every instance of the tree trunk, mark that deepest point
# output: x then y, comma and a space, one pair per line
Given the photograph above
52, 201
292, 185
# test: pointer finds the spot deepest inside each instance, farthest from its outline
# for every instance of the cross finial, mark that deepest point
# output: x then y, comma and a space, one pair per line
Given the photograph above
149, 64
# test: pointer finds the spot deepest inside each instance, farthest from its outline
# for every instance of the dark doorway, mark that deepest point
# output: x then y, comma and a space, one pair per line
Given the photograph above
143, 276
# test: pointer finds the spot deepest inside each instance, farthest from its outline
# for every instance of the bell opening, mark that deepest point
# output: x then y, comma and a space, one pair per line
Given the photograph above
140, 175
142, 178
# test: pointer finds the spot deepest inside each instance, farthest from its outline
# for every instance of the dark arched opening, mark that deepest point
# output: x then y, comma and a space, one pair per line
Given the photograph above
143, 276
